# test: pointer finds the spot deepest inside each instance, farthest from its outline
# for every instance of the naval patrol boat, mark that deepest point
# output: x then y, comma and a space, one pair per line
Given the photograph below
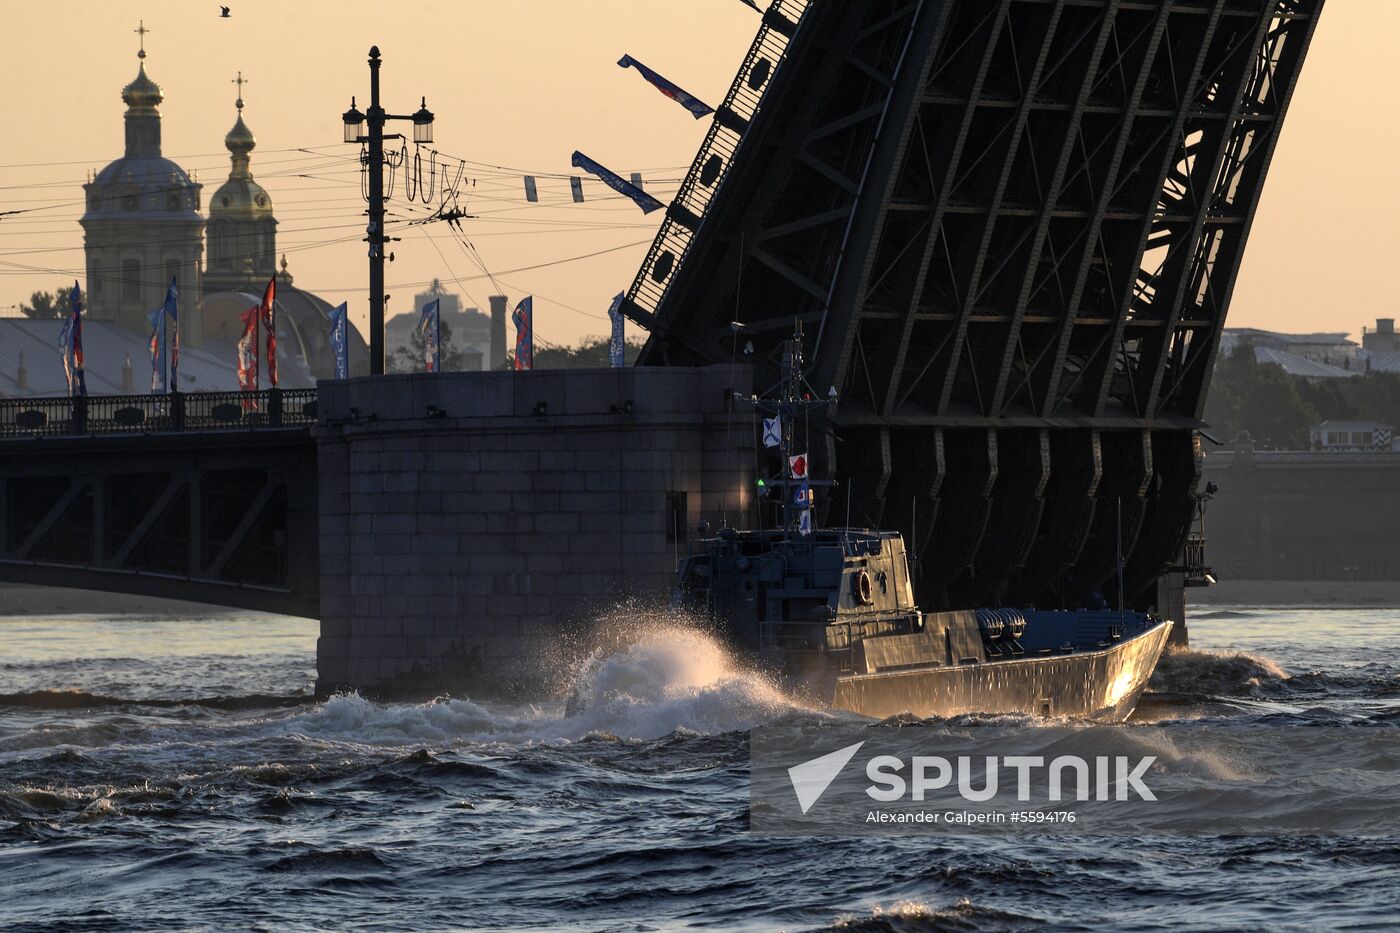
832, 613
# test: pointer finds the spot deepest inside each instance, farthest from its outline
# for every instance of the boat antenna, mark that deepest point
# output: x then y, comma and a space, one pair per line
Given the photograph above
1119, 549
914, 532
849, 483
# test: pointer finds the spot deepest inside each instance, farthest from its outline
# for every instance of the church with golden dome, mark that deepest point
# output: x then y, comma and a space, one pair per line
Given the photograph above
145, 222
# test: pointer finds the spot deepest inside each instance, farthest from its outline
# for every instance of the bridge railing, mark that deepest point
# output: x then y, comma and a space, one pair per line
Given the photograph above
156, 414
716, 155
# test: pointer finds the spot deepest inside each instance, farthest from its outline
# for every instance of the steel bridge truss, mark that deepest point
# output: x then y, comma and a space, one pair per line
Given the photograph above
193, 517
1014, 226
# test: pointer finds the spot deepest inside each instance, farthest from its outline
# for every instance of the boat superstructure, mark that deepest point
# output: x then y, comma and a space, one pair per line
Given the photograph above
833, 611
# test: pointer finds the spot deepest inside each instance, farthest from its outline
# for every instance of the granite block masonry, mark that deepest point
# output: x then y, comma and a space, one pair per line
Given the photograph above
468, 520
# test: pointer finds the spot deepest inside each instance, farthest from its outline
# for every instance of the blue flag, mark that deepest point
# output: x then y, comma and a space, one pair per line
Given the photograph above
698, 108
430, 326
524, 319
339, 340
617, 183
773, 432
77, 384
65, 347
172, 309
617, 346
802, 496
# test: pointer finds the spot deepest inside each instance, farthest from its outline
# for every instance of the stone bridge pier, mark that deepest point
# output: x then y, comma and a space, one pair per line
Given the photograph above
469, 521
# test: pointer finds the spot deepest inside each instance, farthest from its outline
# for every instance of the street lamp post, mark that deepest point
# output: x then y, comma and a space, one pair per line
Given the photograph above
356, 124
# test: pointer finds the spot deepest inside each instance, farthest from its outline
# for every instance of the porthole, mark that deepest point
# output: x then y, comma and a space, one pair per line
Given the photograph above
710, 173
664, 264
758, 75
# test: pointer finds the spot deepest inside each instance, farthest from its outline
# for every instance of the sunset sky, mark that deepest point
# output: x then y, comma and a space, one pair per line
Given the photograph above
517, 87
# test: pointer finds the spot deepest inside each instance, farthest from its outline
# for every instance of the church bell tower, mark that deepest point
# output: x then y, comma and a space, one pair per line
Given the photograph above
142, 224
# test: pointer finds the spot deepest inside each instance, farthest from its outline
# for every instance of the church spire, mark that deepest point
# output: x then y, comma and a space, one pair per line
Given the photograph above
142, 97
241, 232
240, 140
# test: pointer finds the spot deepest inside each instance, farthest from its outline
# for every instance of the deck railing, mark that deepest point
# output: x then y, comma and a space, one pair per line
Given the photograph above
199, 412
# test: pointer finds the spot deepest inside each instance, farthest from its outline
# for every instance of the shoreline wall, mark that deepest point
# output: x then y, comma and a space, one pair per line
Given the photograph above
1303, 515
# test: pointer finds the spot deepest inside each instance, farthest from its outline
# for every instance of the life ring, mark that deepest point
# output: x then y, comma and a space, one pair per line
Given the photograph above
864, 591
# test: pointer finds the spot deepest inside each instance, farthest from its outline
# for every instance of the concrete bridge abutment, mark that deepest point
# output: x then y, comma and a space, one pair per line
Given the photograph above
469, 521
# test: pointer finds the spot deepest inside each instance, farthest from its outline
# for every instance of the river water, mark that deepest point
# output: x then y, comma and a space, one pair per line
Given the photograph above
174, 773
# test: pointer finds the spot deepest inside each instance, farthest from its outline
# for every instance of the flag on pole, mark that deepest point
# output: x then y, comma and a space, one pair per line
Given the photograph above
617, 346
804, 522
78, 385
524, 319
698, 108
157, 319
268, 312
798, 465
65, 347
773, 432
430, 327
171, 308
617, 183
802, 495
248, 358
340, 344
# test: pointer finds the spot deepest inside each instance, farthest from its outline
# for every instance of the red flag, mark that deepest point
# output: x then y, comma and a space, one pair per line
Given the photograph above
248, 358
268, 312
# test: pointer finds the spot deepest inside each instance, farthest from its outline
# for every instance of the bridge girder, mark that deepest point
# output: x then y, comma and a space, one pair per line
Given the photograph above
226, 519
1014, 228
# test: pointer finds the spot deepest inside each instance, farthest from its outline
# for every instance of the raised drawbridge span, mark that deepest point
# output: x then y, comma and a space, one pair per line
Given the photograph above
1011, 229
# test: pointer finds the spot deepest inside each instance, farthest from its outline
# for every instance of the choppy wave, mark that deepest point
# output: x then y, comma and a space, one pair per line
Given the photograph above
1202, 672
620, 800
665, 680
912, 916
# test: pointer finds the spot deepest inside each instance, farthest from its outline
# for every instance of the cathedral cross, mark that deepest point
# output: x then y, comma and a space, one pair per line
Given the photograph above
240, 81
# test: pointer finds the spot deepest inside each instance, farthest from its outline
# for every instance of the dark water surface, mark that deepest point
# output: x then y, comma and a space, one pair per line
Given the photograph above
163, 773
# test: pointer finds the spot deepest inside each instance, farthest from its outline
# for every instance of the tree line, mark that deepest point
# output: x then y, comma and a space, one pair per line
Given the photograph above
1279, 410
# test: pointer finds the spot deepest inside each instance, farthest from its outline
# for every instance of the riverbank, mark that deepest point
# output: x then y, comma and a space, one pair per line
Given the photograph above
1297, 594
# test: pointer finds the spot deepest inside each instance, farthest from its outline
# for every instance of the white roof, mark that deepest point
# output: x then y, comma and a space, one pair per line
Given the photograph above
106, 347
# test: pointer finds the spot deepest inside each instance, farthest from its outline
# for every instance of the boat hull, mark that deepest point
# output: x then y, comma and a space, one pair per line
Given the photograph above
1102, 684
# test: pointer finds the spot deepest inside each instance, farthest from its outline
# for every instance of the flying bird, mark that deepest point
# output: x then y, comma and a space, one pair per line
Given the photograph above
223, 12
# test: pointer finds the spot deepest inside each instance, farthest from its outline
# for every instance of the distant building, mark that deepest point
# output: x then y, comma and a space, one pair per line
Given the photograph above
1383, 339
1353, 435
1310, 356
466, 334
142, 226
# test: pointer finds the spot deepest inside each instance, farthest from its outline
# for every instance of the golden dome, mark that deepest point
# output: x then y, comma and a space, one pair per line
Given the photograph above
240, 138
142, 92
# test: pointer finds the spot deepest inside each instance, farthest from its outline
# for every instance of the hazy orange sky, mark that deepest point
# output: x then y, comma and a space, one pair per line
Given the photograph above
517, 87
